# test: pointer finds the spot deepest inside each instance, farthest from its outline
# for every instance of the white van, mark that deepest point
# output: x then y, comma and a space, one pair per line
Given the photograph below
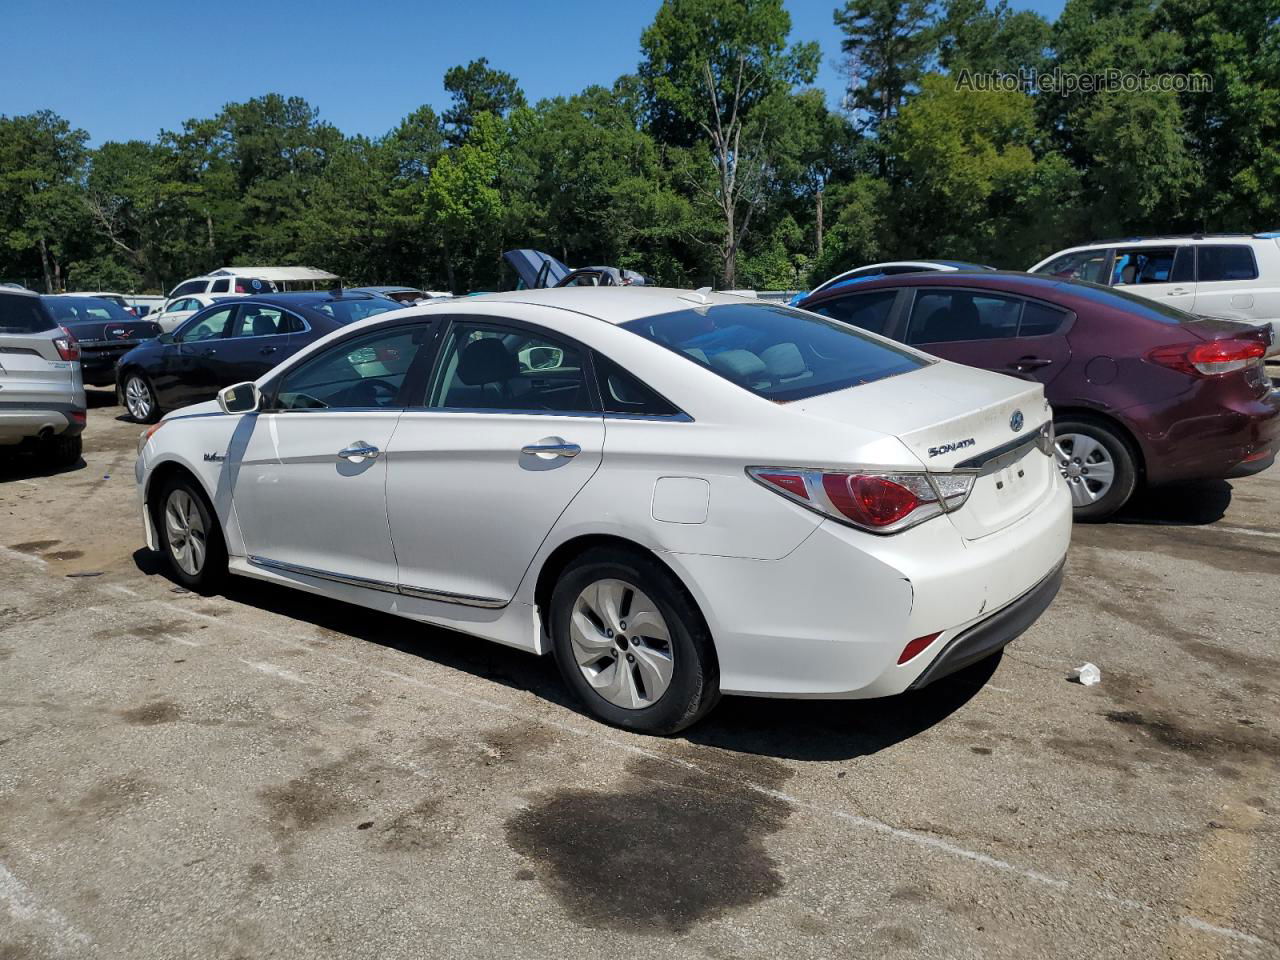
1234, 276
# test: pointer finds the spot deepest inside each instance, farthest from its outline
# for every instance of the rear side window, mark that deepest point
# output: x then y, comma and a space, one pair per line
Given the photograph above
1143, 265
1040, 320
775, 352
870, 311
221, 286
953, 316
23, 315
1233, 262
1088, 265
255, 320
622, 393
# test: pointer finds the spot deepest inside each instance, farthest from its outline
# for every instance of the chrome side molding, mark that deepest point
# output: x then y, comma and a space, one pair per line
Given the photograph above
420, 593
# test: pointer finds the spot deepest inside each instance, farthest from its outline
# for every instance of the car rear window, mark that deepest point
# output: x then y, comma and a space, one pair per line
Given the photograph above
349, 311
20, 314
775, 352
85, 309
1122, 300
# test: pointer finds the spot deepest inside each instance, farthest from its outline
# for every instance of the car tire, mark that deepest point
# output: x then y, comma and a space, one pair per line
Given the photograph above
642, 681
1084, 448
189, 535
61, 452
140, 398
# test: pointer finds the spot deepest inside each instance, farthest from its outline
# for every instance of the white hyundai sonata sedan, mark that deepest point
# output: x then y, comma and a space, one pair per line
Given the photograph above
678, 494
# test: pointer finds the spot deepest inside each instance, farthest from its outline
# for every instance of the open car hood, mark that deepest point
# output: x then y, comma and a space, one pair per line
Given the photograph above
535, 268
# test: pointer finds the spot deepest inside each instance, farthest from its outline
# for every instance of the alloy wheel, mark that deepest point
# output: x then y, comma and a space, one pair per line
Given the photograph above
1087, 466
137, 398
621, 643
185, 532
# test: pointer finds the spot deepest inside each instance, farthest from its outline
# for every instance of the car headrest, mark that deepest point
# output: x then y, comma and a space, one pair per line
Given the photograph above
783, 360
263, 325
486, 361
742, 366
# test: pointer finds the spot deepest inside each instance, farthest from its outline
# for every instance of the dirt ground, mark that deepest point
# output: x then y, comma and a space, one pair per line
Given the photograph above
268, 774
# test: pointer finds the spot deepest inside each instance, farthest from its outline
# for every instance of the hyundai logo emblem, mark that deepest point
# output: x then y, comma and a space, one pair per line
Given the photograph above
1015, 422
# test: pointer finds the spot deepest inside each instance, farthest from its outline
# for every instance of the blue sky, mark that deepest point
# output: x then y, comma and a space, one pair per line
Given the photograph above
129, 68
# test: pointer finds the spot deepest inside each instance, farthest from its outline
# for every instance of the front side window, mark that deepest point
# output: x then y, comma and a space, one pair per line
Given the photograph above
954, 316
776, 352
485, 367
207, 325
1088, 265
362, 372
870, 311
1233, 262
190, 287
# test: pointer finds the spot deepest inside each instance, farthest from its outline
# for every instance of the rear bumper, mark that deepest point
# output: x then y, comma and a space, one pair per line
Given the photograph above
831, 618
994, 633
98, 361
22, 422
1214, 444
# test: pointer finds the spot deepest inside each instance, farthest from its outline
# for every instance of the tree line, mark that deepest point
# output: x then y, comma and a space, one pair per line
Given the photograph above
715, 163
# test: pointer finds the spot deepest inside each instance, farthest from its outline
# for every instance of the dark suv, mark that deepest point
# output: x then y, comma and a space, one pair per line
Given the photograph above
1142, 393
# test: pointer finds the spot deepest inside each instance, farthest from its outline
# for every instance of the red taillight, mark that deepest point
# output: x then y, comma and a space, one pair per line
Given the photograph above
79, 417
916, 646
793, 483
869, 500
1208, 358
68, 348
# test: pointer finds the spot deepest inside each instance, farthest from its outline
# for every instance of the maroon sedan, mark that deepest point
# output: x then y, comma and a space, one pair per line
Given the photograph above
1142, 393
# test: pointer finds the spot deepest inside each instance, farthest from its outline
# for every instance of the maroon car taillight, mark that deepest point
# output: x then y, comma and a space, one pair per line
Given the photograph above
67, 346
1209, 358
876, 502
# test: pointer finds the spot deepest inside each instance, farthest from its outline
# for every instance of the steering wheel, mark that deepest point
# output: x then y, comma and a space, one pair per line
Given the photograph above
373, 393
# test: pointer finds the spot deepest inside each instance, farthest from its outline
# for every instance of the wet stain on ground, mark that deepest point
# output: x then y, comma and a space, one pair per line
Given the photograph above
421, 827
63, 555
318, 796
513, 743
150, 714
1176, 736
1223, 549
34, 546
670, 847
159, 630
111, 797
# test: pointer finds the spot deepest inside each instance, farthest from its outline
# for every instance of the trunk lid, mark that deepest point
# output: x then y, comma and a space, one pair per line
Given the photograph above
957, 417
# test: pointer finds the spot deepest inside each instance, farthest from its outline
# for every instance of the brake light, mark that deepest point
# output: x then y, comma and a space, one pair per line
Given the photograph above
68, 347
869, 501
876, 502
1209, 358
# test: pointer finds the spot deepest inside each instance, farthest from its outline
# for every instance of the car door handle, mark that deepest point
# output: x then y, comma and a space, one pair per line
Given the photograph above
359, 451
551, 447
266, 350
1023, 364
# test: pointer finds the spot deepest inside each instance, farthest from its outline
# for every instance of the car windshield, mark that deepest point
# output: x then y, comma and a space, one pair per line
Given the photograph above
775, 352
1132, 302
349, 311
21, 314
86, 309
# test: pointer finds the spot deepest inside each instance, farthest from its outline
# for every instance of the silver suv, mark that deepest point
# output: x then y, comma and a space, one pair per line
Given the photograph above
42, 403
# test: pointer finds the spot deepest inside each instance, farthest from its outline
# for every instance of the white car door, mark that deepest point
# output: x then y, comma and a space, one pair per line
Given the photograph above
317, 506
478, 476
1164, 274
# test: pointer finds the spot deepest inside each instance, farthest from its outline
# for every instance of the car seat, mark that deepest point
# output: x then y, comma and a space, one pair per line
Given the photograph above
484, 375
263, 325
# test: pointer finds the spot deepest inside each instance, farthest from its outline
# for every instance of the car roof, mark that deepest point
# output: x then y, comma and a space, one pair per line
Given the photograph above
383, 290
1013, 281
17, 291
615, 305
303, 298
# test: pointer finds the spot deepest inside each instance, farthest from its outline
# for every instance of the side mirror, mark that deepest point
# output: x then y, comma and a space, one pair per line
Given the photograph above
240, 398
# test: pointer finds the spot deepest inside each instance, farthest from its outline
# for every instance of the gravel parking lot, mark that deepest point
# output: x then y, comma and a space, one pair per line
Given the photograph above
266, 773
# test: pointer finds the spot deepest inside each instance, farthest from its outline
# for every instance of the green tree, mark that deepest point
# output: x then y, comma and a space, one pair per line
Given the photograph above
887, 46
992, 39
478, 88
